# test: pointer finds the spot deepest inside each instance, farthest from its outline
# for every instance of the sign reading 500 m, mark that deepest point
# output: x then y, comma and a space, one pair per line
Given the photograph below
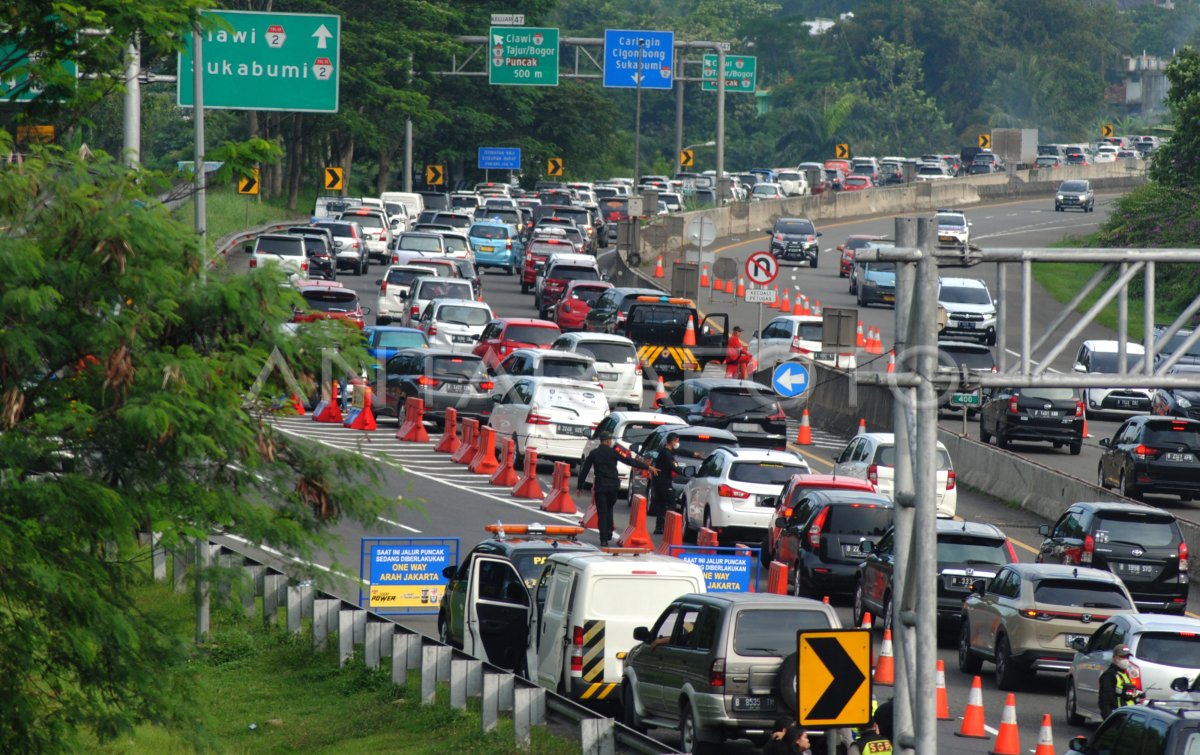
523, 56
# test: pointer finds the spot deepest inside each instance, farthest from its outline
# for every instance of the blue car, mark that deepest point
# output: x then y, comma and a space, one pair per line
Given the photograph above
496, 244
877, 283
383, 341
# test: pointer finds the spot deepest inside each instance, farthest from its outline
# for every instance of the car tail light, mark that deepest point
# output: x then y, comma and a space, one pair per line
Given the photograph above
873, 474
577, 651
708, 410
1144, 453
432, 329
304, 266
640, 366
253, 262
536, 418
414, 311
383, 287
1089, 548
814, 532
427, 381
1078, 404
779, 237
778, 414
1014, 404
1183, 557
487, 385
716, 673
1135, 674
395, 259
726, 491
508, 244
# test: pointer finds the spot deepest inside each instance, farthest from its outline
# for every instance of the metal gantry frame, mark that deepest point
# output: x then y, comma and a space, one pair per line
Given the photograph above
917, 256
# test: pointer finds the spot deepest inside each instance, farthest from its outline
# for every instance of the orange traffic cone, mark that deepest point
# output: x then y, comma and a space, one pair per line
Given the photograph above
1086, 434
817, 308
658, 268
943, 704
786, 306
1008, 739
716, 283
862, 426
704, 277
878, 341
689, 335
891, 361
1045, 743
729, 286
885, 666
803, 309
804, 434
866, 622
660, 390
297, 405
775, 304
741, 289
972, 725
859, 340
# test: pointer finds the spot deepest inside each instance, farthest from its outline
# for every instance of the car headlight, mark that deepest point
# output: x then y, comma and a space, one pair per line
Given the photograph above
1183, 403
1060, 196
868, 283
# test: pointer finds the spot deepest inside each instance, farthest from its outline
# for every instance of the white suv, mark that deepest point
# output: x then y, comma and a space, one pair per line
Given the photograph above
393, 291
734, 491
953, 228
617, 364
554, 417
283, 250
872, 457
970, 310
1101, 357
454, 324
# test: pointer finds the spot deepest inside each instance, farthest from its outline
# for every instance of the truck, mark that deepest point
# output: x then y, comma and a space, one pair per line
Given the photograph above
1016, 146
658, 327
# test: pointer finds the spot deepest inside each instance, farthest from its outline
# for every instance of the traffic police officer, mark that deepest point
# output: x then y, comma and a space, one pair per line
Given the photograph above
604, 458
1116, 685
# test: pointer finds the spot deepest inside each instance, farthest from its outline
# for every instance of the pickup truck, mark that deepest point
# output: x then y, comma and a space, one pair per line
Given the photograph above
657, 325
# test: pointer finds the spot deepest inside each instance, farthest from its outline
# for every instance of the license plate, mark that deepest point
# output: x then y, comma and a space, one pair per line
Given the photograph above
825, 356
851, 550
1069, 638
761, 703
1134, 569
463, 339
744, 427
1048, 413
608, 376
962, 580
1127, 403
573, 430
454, 388
967, 325
487, 248
889, 297
1178, 457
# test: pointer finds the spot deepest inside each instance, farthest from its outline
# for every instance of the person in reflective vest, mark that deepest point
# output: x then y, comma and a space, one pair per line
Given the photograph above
872, 741
1116, 685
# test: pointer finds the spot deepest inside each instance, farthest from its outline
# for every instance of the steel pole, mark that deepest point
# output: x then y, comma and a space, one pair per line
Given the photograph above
1026, 314
203, 609
198, 123
1123, 324
720, 119
1002, 317
1148, 319
408, 137
637, 120
132, 146
679, 113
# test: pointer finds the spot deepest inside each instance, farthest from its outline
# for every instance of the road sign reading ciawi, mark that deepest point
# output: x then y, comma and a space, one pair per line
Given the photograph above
762, 267
523, 56
266, 61
621, 58
790, 379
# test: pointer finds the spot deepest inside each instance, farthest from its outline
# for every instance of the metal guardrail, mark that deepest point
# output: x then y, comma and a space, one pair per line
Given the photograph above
233, 241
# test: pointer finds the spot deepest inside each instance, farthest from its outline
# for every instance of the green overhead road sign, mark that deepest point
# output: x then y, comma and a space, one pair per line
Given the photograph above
15, 86
741, 73
523, 56
266, 61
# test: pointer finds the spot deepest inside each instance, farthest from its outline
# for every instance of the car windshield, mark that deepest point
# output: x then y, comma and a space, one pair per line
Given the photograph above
1146, 530
455, 243
458, 366
489, 232
1049, 394
396, 339
963, 295
1080, 593
332, 300
973, 359
1180, 649
464, 202
411, 243
587, 294
759, 633
434, 288
966, 549
1073, 185
765, 190
573, 273
795, 227
953, 221
1168, 433
931, 170
742, 400
506, 215
615, 353
636, 432
881, 267
531, 334
1176, 342
1106, 362
787, 175
368, 220
568, 368
886, 457
404, 277
315, 245
763, 472
810, 331
460, 314
454, 221
702, 445
867, 519
529, 565
292, 246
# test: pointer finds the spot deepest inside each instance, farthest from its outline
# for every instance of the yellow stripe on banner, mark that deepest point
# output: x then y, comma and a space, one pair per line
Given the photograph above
590, 633
589, 691
607, 691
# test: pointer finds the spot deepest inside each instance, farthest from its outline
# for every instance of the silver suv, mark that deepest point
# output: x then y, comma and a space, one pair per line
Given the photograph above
718, 666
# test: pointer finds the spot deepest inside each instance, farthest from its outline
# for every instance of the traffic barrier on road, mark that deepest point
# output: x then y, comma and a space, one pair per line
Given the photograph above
660, 390
361, 417
866, 622
689, 335
972, 725
484, 461
885, 665
506, 476
560, 501
860, 341
297, 405
817, 309
803, 309
786, 305
658, 268
470, 443
891, 361
709, 538
804, 433
328, 409
942, 702
716, 283
413, 426
1008, 738
777, 578
528, 486
636, 535
449, 442
704, 277
1045, 743
876, 341
672, 533
591, 517
741, 288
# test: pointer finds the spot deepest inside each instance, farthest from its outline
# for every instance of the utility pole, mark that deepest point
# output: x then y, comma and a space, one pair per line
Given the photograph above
198, 165
408, 136
721, 124
132, 147
637, 119
678, 69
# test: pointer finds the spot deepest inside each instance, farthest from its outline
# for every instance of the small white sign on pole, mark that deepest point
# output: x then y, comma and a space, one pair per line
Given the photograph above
760, 295
508, 19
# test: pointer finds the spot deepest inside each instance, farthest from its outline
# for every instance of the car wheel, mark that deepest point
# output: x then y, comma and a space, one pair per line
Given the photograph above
1076, 447
708, 519
366, 266
444, 631
812, 263
799, 589
1008, 675
1002, 440
629, 709
1100, 482
764, 553
859, 607
968, 662
1128, 490
886, 613
509, 270
984, 436
1058, 208
1073, 717
401, 407
786, 681
689, 733
383, 320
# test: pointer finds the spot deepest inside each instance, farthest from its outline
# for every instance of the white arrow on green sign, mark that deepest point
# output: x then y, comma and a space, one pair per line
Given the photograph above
266, 61
522, 56
741, 73
16, 87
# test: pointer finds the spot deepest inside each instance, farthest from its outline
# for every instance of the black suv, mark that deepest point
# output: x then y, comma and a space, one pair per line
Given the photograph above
795, 239
827, 529
748, 409
1140, 544
1043, 415
1177, 402
967, 552
1168, 727
966, 358
318, 245
692, 440
608, 314
1151, 454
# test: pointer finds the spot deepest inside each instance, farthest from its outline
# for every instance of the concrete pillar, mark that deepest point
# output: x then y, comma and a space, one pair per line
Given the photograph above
522, 715
307, 595
444, 654
360, 627
596, 736
158, 558
489, 706
474, 678
251, 586
458, 684
400, 664
273, 590
373, 630
320, 624
345, 636
429, 664
506, 692
293, 609
179, 568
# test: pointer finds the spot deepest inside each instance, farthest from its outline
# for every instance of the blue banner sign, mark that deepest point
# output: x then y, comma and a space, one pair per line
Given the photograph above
404, 575
621, 54
499, 158
726, 569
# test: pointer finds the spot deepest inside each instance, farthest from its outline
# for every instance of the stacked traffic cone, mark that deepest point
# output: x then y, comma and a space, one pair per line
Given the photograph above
741, 288
862, 426
786, 306
860, 340
660, 390
804, 308
943, 704
364, 418
658, 268
704, 277
891, 361
804, 434
972, 725
775, 304
689, 335
885, 666
729, 286
1045, 743
1008, 739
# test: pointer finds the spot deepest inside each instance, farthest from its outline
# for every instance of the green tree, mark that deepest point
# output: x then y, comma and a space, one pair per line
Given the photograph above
1177, 163
896, 112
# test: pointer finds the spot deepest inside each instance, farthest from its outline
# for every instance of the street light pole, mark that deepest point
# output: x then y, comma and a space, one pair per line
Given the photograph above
637, 125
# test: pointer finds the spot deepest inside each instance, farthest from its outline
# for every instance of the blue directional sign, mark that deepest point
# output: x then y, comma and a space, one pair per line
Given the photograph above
499, 158
621, 59
790, 379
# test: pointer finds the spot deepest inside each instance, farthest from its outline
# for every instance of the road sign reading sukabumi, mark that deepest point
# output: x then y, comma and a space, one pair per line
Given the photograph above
523, 56
741, 73
266, 61
621, 56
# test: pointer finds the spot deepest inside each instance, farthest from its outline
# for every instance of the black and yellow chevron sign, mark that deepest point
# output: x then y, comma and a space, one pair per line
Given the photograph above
248, 184
687, 158
435, 175
985, 141
842, 151
334, 179
1107, 130
554, 166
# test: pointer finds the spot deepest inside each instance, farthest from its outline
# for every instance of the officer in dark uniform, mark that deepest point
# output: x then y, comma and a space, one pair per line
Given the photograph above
873, 740
1116, 685
604, 458
662, 490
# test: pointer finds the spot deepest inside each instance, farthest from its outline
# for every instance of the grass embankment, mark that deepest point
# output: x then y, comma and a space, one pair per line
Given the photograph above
229, 212
264, 690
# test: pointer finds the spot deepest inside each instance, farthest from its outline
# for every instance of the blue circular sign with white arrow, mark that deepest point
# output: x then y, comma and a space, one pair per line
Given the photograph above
790, 379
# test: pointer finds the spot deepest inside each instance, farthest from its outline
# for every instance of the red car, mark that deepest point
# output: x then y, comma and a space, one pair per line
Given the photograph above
776, 548
856, 183
543, 244
576, 302
328, 300
853, 243
502, 335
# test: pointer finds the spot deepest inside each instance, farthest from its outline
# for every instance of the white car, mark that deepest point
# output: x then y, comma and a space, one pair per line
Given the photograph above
927, 172
458, 245
628, 428
953, 228
766, 191
522, 363
872, 457
726, 492
617, 364
970, 310
427, 288
790, 337
454, 324
393, 291
283, 250
1105, 154
793, 182
425, 242
376, 230
554, 417
1100, 357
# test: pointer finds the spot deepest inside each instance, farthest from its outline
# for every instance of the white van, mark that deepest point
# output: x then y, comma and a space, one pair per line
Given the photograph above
586, 607
415, 203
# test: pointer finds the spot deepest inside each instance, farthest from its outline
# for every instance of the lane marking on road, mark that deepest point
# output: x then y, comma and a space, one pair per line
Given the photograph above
1023, 546
813, 457
398, 524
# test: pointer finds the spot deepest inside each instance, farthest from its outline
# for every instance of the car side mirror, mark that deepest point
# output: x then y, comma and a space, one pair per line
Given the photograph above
402, 295
1077, 367
366, 310
1104, 442
379, 282
977, 587
768, 231
688, 472
636, 448
1044, 530
248, 247
641, 634
866, 546
1078, 744
1180, 684
1080, 644
449, 571
820, 234
658, 403
497, 398
781, 522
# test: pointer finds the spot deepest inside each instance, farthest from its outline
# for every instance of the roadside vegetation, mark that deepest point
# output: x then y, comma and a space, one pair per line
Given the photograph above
230, 212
